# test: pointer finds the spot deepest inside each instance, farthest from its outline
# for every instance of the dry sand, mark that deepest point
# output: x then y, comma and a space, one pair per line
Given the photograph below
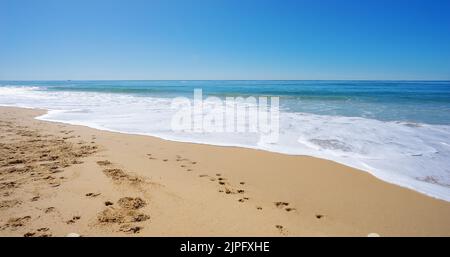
57, 179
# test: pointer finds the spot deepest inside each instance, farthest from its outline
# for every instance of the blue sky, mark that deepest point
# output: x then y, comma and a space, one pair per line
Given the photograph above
215, 39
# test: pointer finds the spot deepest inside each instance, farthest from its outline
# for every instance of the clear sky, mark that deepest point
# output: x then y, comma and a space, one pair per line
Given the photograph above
215, 39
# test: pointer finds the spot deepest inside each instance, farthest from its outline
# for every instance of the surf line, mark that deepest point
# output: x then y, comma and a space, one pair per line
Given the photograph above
232, 115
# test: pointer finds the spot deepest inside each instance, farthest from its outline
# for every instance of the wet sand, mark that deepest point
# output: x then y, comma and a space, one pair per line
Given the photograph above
57, 179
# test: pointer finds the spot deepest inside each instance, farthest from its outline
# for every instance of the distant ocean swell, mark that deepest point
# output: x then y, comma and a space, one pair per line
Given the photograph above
398, 131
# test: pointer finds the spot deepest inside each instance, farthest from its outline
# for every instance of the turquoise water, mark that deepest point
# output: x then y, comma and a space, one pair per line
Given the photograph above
411, 101
399, 131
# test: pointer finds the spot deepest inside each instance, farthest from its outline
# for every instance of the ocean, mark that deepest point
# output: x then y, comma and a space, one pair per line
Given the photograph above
399, 131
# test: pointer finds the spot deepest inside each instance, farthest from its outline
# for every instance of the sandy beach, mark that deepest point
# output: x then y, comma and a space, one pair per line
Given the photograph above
57, 179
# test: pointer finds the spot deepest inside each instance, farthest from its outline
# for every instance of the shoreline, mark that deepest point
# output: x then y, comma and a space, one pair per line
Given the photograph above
268, 194
402, 182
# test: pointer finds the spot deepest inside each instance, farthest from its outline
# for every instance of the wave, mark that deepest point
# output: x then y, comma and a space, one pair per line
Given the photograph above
410, 154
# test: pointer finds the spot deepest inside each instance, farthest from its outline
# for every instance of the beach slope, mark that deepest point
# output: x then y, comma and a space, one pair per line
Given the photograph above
57, 179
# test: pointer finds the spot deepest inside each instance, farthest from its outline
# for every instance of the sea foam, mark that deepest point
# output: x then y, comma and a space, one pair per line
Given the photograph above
412, 155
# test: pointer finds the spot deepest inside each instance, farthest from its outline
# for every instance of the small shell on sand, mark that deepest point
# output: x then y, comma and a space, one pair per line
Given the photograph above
73, 235
373, 235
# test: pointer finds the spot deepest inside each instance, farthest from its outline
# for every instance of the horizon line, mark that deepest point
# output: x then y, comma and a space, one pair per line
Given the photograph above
66, 80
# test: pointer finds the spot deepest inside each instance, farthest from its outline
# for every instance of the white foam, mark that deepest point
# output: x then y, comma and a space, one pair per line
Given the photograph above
416, 156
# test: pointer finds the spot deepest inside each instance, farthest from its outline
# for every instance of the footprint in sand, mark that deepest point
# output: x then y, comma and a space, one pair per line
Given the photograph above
131, 203
207, 176
126, 215
40, 232
179, 158
226, 187
73, 220
319, 216
284, 205
150, 157
54, 184
229, 191
14, 223
9, 204
130, 229
104, 163
281, 229
243, 199
281, 204
35, 198
119, 175
93, 194
49, 209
